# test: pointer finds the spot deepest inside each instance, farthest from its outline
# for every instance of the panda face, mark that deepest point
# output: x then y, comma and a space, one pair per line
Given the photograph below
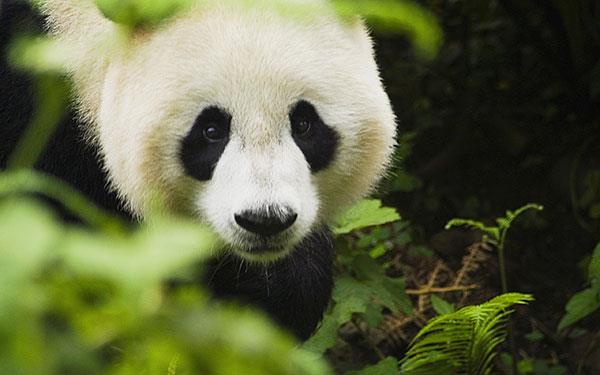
259, 124
272, 203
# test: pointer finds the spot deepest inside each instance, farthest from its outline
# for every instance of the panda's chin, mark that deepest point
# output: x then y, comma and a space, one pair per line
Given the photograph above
264, 250
261, 255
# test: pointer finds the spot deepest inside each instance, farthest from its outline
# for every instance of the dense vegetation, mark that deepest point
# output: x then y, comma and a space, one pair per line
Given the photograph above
503, 112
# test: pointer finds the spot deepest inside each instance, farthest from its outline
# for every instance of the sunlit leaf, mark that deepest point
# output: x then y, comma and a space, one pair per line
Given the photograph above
366, 213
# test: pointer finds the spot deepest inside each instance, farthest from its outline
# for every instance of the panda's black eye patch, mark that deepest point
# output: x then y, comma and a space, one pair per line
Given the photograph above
317, 141
204, 144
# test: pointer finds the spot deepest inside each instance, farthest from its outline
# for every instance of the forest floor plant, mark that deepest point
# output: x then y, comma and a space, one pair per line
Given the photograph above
496, 236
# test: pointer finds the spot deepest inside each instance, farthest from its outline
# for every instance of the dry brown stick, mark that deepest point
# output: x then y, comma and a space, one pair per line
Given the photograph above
422, 302
470, 261
429, 290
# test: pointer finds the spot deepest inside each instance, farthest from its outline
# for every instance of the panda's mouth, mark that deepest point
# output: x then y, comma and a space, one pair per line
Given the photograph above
264, 249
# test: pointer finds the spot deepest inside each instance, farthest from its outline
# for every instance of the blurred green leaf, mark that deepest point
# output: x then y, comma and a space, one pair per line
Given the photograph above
135, 13
28, 182
41, 55
76, 300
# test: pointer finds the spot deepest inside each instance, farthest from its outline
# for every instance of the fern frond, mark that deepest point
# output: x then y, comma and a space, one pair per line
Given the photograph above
462, 342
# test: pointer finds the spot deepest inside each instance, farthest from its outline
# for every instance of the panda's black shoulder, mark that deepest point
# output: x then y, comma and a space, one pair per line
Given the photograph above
66, 155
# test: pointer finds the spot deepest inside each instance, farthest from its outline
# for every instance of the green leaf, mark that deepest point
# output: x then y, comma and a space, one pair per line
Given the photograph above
535, 336
393, 295
133, 13
441, 306
373, 315
579, 306
350, 297
366, 267
387, 366
366, 213
378, 251
326, 335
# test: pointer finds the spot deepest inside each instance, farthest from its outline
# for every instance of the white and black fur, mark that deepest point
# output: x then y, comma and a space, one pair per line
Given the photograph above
260, 124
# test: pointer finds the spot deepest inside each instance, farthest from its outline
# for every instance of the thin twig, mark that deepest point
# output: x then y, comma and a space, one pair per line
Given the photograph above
430, 290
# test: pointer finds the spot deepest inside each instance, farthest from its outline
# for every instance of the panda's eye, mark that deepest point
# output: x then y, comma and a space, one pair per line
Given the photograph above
302, 127
204, 144
214, 133
317, 141
304, 120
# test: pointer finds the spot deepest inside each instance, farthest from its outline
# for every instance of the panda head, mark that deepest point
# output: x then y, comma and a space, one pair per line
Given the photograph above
261, 124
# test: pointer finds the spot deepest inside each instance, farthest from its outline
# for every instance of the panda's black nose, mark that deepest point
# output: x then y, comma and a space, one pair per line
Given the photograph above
266, 222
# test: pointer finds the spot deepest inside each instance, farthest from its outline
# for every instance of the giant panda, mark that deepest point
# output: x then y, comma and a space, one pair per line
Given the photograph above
260, 124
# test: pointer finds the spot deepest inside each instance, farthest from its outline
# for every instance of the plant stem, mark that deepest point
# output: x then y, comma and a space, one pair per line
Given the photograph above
504, 285
502, 267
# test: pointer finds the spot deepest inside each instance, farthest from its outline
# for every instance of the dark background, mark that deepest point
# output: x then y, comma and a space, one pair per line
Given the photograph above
507, 114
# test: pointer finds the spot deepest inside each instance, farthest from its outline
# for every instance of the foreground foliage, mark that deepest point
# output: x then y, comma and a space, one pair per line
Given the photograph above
74, 300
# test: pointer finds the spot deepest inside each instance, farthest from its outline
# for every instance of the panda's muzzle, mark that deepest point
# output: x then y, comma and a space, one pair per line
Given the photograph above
266, 222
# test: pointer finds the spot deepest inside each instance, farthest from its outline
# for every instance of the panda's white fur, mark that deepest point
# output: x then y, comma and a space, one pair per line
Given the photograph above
141, 95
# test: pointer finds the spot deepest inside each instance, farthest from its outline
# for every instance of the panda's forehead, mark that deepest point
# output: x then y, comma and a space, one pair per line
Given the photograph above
246, 63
